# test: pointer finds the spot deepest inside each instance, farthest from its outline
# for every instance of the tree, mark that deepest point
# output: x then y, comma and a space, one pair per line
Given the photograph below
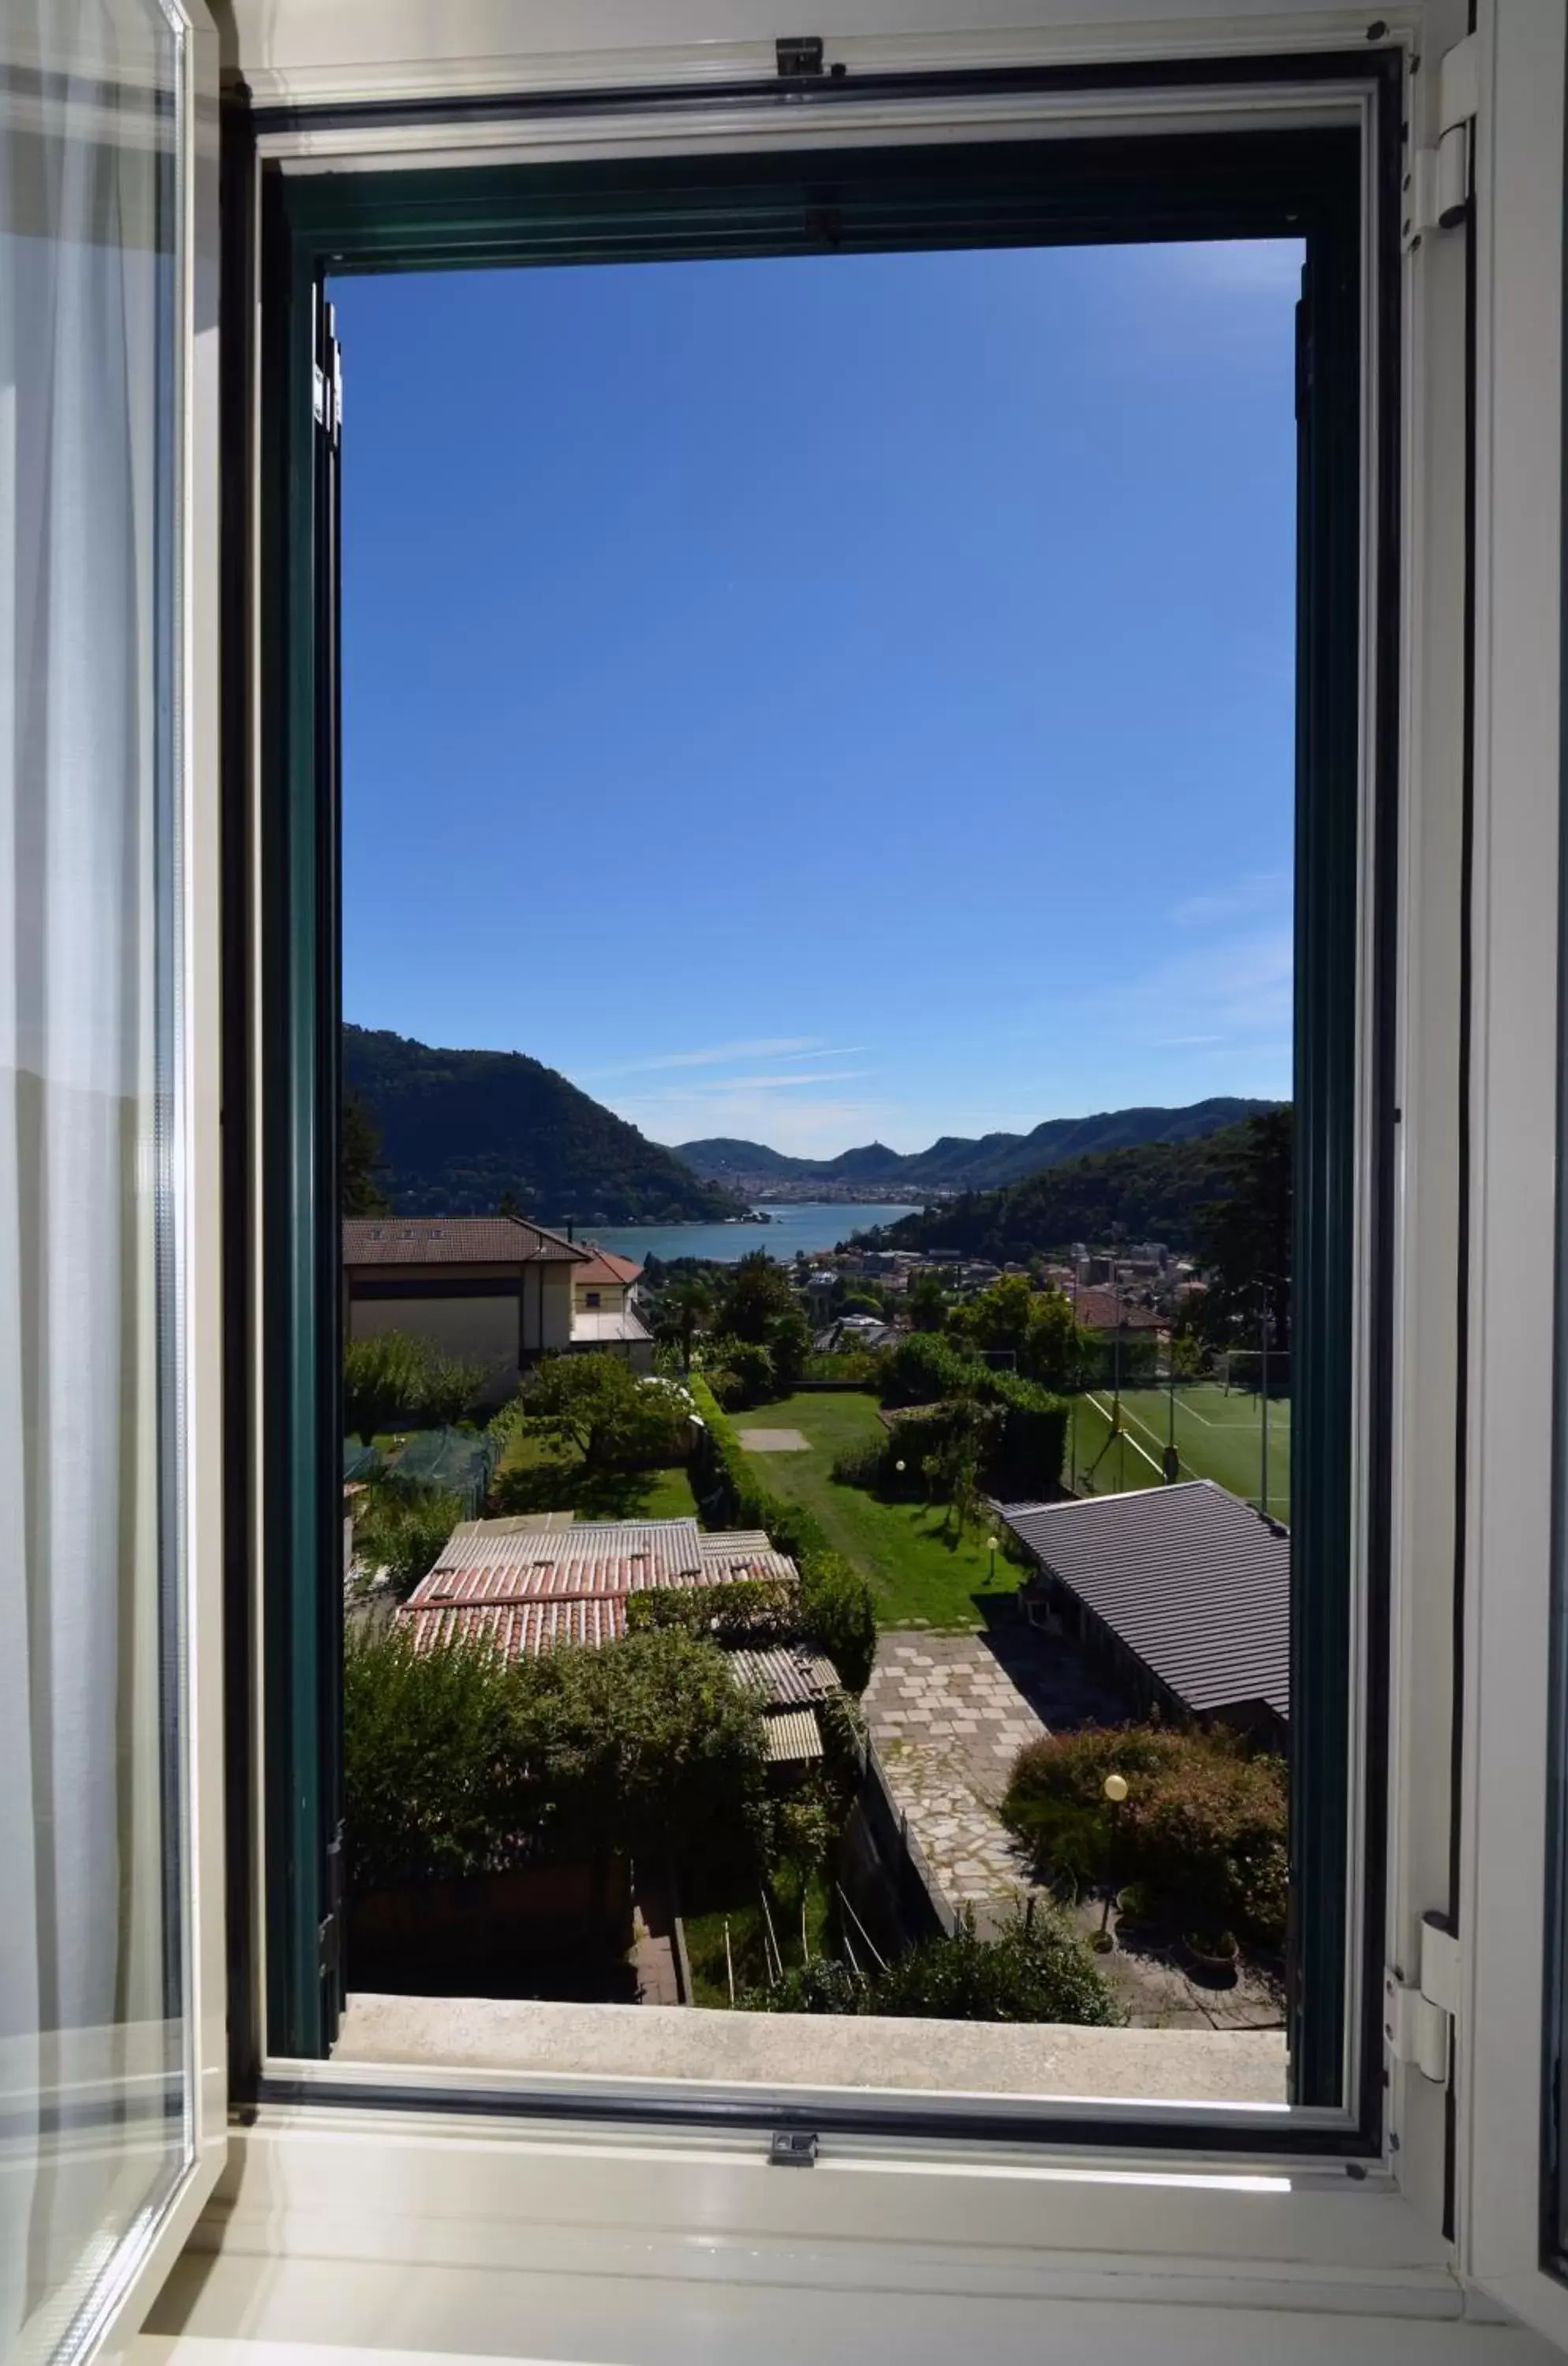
638, 1741
684, 1310
509, 1204
754, 1295
1246, 1240
360, 1160
599, 1405
927, 1302
432, 1784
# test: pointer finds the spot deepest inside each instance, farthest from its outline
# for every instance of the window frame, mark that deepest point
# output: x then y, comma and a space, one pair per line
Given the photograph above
310, 221
186, 1172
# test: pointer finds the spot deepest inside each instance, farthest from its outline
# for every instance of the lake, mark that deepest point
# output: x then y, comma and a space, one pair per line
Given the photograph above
810, 1226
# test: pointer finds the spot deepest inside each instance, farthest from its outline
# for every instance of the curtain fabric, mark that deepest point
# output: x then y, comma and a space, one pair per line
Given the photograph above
91, 2120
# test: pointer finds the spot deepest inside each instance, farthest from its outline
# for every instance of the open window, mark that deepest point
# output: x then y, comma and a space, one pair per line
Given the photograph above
1313, 188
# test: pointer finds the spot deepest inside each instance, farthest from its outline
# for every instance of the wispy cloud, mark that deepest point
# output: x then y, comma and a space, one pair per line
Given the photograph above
712, 1055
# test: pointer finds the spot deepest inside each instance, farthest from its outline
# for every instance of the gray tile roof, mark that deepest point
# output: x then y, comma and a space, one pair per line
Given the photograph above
454, 1240
1190, 1578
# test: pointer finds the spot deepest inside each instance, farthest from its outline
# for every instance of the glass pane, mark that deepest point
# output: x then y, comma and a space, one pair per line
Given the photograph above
92, 2088
819, 983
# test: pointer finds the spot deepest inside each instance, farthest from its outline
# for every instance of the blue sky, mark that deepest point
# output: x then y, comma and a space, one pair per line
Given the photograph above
826, 699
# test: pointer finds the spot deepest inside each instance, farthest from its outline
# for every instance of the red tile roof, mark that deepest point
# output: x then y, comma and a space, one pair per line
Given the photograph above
603, 1265
454, 1240
1098, 1310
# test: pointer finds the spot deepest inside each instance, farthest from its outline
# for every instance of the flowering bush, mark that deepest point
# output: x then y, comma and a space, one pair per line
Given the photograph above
1204, 1828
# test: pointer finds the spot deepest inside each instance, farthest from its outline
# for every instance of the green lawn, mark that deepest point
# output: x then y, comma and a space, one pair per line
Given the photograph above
1217, 1436
920, 1576
539, 1474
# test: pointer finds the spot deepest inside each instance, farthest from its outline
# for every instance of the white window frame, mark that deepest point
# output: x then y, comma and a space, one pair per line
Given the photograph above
135, 2266
1303, 2231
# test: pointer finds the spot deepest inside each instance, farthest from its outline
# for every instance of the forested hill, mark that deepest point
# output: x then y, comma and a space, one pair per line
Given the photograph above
958, 1162
460, 1130
1150, 1193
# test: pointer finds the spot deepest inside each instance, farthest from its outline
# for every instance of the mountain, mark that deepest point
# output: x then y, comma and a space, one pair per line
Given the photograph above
1148, 1191
954, 1163
460, 1129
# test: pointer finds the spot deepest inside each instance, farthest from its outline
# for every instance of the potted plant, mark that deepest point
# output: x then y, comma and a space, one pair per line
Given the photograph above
1214, 1951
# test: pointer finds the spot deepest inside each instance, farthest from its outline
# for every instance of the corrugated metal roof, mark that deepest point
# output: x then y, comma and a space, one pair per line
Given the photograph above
1190, 1578
738, 1563
503, 1561
792, 1734
518, 1629
785, 1674
453, 1240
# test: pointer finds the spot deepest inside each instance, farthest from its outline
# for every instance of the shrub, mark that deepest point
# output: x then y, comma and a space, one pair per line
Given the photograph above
751, 1610
926, 1366
457, 1760
825, 1986
394, 1382
743, 1371
862, 1466
837, 1612
402, 1528
1204, 1825
432, 1787
1036, 1970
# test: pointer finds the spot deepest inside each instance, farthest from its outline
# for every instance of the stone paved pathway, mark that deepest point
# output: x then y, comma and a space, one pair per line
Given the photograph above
775, 1441
947, 1714
947, 1721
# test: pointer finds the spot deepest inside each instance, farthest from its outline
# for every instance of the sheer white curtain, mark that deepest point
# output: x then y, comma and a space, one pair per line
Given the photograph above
91, 2124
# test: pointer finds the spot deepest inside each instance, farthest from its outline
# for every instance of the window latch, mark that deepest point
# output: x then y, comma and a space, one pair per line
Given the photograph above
1419, 2017
1439, 183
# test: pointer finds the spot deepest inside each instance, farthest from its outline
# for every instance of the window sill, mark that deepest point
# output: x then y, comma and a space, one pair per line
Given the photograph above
456, 2238
466, 2034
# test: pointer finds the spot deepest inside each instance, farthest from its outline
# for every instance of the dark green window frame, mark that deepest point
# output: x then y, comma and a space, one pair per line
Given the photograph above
1303, 184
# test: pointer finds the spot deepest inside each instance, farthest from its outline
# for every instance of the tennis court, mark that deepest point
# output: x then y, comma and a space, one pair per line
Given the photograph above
1217, 1436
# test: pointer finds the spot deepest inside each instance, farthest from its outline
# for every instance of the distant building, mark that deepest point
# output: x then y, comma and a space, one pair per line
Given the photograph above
1183, 1593
605, 1313
492, 1290
1104, 1310
496, 1290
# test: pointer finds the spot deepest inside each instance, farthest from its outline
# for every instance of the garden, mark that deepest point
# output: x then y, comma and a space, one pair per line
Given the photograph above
1180, 1833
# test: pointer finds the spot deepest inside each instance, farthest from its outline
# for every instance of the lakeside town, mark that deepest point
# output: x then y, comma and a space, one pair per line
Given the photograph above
891, 1630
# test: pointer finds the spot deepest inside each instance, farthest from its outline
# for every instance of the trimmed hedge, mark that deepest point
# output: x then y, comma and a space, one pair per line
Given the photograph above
835, 1600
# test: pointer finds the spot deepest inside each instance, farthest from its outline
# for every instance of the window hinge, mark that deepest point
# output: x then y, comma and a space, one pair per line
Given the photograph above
1419, 2018
1439, 183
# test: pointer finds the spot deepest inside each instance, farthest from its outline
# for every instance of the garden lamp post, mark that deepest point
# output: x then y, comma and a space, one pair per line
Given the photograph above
992, 1548
1115, 1789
